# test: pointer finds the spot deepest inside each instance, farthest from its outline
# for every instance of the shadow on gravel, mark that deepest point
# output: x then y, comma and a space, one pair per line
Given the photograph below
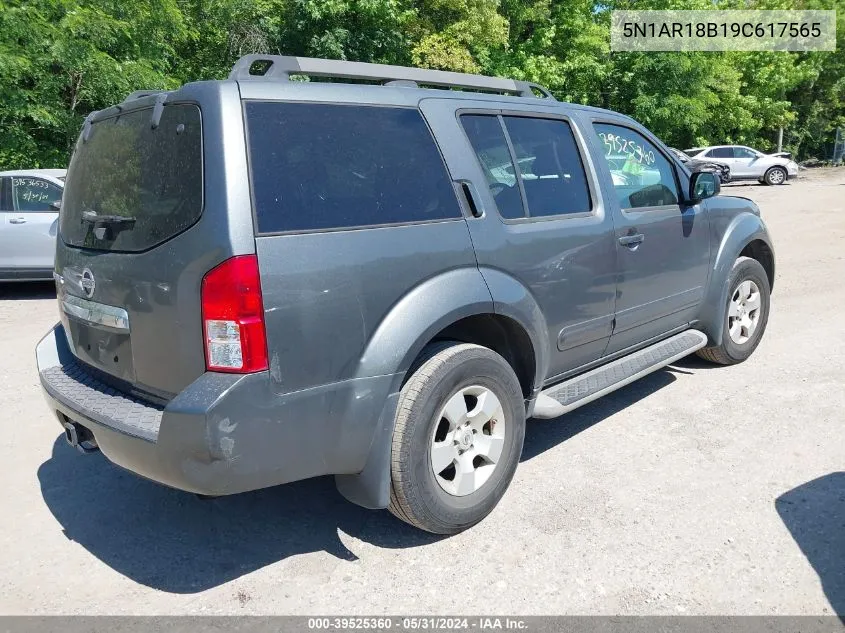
814, 514
541, 435
174, 542
27, 291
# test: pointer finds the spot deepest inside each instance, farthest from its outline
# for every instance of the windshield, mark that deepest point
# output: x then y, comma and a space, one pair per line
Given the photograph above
131, 186
694, 152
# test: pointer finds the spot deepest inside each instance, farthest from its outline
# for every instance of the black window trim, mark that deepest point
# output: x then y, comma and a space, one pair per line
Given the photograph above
651, 139
460, 205
14, 199
590, 174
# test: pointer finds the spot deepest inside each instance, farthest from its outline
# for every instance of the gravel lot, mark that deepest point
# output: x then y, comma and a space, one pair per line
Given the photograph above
696, 490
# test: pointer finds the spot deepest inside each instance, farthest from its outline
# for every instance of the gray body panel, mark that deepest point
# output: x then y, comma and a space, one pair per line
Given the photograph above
348, 311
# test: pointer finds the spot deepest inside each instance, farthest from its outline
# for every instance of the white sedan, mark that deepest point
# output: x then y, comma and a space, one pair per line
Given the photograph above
749, 164
29, 218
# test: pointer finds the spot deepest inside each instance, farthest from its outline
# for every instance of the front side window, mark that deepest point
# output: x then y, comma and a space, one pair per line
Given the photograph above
744, 152
318, 166
34, 195
642, 176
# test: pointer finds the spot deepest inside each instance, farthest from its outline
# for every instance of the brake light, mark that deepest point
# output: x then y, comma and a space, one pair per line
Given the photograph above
233, 317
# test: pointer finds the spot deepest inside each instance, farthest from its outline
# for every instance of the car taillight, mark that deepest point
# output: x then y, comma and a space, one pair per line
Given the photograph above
233, 317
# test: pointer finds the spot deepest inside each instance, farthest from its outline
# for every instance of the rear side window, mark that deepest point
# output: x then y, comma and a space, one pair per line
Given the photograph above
552, 173
549, 172
317, 166
721, 152
487, 138
34, 195
149, 177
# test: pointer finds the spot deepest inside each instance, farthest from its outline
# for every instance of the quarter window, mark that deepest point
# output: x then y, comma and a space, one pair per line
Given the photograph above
34, 195
642, 176
320, 166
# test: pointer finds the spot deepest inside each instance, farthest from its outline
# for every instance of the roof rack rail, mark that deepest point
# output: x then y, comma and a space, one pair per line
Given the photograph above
280, 68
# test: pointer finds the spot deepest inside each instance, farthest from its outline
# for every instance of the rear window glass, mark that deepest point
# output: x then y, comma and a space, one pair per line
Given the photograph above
318, 166
131, 187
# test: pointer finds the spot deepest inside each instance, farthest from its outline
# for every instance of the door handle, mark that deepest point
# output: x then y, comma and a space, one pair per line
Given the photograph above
632, 241
17, 220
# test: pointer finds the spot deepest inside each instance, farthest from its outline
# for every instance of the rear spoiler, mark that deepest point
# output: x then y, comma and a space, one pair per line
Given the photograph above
782, 155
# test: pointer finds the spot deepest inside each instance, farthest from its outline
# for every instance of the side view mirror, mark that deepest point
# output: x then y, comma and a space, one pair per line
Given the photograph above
56, 205
703, 184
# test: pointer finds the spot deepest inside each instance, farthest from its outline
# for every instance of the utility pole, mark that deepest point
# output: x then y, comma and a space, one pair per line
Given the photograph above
780, 139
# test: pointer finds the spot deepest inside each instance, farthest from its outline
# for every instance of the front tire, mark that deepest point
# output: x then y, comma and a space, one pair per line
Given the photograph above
746, 314
460, 425
775, 176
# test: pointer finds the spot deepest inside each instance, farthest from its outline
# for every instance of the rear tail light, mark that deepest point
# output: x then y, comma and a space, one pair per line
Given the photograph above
233, 317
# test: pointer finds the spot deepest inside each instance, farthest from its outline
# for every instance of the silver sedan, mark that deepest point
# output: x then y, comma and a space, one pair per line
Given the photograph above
29, 217
749, 164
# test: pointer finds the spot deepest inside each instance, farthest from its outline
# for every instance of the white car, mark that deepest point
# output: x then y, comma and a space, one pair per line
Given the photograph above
749, 164
29, 217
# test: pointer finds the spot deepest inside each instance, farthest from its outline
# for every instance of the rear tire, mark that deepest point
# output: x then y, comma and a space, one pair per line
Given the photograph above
775, 176
746, 314
462, 414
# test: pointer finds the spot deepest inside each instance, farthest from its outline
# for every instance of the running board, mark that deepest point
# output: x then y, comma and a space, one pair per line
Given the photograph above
571, 394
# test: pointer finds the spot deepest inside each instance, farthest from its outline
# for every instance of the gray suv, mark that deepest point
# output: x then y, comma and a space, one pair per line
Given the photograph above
379, 277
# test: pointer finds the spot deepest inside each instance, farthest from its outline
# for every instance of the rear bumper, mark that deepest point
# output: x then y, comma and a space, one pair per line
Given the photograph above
224, 433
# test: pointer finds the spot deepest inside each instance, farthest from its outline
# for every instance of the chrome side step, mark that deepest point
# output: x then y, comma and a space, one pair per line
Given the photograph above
571, 394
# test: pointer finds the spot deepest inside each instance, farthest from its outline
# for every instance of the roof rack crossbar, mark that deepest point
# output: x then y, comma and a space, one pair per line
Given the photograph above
280, 68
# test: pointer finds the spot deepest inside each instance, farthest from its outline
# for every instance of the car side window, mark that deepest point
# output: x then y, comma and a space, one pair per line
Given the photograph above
488, 140
642, 176
721, 152
34, 195
6, 194
331, 166
743, 152
553, 175
550, 171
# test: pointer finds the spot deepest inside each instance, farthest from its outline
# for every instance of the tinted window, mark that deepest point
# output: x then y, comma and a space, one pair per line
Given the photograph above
743, 152
34, 194
337, 166
487, 138
641, 175
721, 152
552, 173
693, 152
128, 169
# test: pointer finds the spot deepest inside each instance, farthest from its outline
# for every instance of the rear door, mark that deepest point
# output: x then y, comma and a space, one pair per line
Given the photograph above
543, 223
662, 244
724, 155
155, 197
30, 223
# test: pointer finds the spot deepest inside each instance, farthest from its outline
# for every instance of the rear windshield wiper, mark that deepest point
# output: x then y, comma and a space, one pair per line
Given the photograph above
107, 220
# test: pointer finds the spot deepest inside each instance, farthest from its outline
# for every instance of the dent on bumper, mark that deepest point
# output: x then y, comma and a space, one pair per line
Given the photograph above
227, 433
